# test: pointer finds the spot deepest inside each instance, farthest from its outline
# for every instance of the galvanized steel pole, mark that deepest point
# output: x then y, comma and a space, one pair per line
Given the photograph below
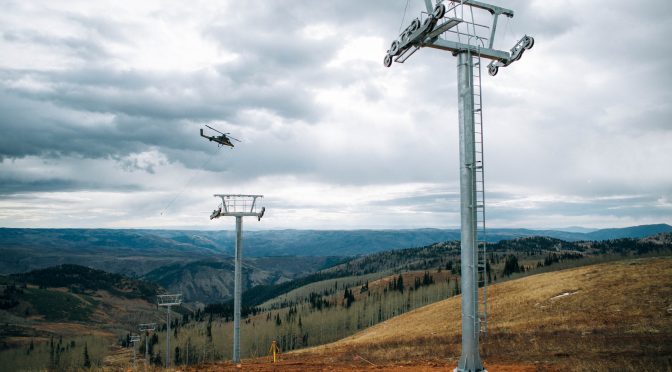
239, 206
470, 359
237, 290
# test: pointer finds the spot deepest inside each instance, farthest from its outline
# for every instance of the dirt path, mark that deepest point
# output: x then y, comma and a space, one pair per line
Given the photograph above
342, 362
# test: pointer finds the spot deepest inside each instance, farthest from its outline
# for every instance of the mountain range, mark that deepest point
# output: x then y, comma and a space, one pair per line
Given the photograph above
199, 263
268, 243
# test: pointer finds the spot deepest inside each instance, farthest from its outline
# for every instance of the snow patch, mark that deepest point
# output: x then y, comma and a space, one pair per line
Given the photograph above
564, 294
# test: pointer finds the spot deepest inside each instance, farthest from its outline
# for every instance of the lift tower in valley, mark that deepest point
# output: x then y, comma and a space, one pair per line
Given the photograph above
168, 300
238, 206
458, 27
146, 328
134, 339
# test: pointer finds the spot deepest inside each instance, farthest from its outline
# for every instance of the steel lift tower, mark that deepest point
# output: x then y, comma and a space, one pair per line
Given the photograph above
457, 27
168, 300
134, 339
238, 206
146, 328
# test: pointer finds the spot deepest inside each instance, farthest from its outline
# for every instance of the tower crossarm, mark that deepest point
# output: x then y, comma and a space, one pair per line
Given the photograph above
147, 327
238, 205
493, 9
456, 47
169, 299
437, 24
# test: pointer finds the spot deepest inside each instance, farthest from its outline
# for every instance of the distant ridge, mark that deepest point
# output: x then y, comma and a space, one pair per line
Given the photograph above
265, 243
641, 231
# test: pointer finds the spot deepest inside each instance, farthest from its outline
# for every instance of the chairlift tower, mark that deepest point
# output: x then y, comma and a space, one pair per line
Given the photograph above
238, 206
134, 339
168, 300
452, 26
146, 328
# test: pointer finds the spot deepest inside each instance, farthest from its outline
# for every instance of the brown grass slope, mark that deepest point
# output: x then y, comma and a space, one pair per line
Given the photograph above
613, 316
610, 315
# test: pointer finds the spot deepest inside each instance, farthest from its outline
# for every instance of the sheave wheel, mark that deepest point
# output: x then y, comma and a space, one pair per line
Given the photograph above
439, 11
387, 61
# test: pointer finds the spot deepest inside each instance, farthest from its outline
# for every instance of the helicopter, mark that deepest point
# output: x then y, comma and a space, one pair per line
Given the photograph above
223, 140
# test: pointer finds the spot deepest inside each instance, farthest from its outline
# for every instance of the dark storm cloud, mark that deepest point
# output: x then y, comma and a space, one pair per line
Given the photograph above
12, 186
145, 110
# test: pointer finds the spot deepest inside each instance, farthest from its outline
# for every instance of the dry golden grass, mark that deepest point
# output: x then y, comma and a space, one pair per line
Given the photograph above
609, 316
75, 329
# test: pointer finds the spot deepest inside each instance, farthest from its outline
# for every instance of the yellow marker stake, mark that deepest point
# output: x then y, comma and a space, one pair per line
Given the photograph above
275, 350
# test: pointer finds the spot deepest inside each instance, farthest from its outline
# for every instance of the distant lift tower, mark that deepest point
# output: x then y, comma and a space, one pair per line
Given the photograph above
134, 340
168, 300
458, 27
146, 328
238, 206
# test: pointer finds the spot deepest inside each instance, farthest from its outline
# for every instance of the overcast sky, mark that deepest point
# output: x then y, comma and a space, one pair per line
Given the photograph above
101, 103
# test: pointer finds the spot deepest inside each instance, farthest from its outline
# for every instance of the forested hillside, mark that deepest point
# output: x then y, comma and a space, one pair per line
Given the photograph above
81, 279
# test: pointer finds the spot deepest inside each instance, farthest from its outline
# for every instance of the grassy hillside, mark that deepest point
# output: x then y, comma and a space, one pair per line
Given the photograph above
56, 305
612, 316
49, 317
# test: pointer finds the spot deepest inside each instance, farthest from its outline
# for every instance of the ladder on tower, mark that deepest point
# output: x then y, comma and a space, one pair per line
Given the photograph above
479, 179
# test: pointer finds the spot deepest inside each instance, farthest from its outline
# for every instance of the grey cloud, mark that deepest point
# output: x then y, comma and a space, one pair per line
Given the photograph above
83, 48
12, 186
641, 207
436, 203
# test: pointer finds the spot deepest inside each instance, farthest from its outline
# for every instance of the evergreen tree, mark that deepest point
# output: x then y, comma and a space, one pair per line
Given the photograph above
153, 341
157, 361
87, 360
178, 359
511, 265
489, 270
208, 329
348, 298
51, 350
